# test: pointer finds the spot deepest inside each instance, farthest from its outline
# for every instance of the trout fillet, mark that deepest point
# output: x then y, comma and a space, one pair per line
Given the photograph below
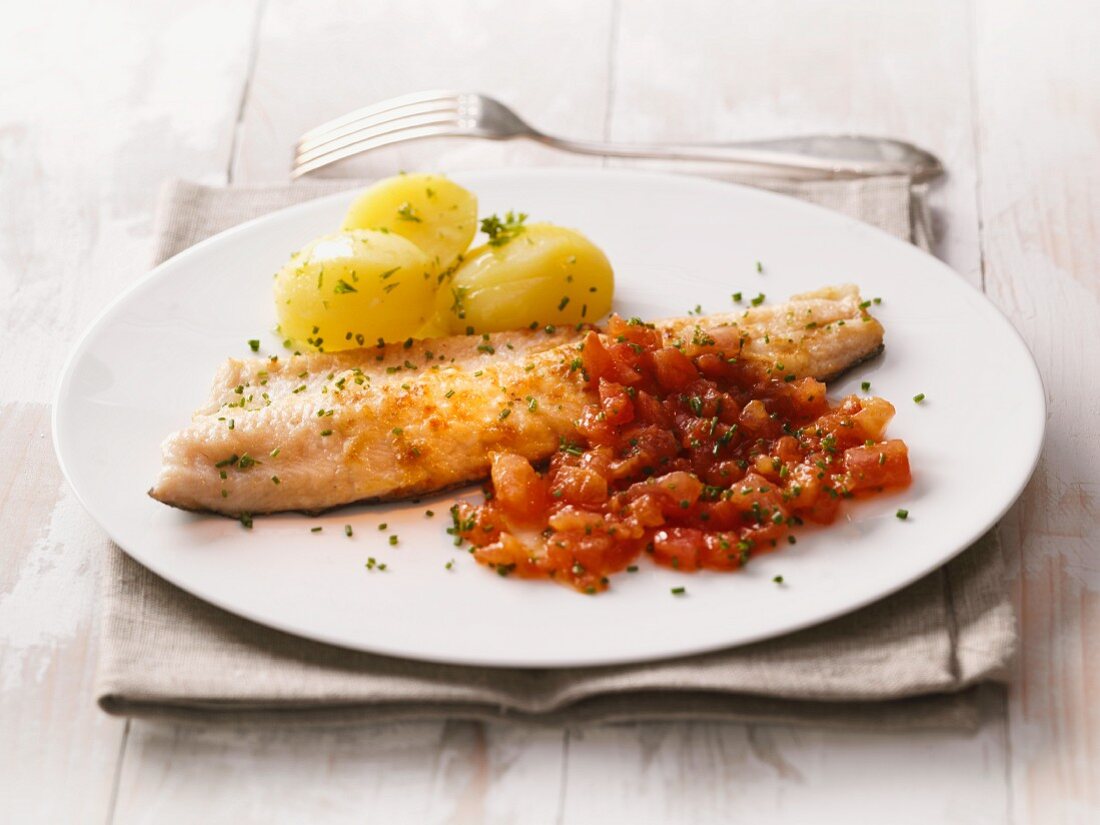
312, 432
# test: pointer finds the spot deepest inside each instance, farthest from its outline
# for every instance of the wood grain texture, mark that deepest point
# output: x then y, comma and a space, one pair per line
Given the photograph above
547, 58
700, 70
699, 772
454, 772
1038, 96
697, 70
48, 726
101, 102
368, 53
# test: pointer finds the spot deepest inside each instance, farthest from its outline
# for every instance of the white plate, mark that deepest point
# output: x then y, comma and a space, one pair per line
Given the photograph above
674, 242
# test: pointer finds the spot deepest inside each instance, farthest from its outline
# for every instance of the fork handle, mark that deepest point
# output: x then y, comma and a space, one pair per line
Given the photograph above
811, 157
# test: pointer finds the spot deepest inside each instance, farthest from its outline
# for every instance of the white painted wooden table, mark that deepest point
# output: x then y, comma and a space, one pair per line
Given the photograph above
100, 101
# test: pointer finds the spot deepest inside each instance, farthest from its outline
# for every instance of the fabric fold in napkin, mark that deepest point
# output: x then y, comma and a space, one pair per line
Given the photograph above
919, 658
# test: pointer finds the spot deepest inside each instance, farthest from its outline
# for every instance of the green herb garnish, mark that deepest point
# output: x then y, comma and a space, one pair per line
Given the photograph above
500, 231
406, 212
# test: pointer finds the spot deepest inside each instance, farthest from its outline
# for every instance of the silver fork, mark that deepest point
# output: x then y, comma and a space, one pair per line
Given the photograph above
465, 114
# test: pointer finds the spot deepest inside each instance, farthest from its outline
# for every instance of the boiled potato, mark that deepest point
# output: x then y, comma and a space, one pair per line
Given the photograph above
436, 214
540, 273
354, 287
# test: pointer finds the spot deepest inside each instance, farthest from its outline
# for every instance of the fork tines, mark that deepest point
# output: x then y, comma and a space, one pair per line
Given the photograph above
423, 114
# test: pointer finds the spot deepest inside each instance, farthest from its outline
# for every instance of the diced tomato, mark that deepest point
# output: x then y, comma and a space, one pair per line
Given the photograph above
877, 466
579, 485
573, 519
713, 366
824, 508
674, 369
807, 399
872, 418
597, 361
519, 490
676, 492
648, 410
688, 451
629, 363
616, 404
679, 547
755, 419
509, 555
634, 332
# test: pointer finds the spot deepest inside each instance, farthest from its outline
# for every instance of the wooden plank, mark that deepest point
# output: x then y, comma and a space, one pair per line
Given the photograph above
412, 772
698, 70
456, 772
701, 70
703, 772
101, 102
548, 60
1038, 96
850, 65
49, 726
382, 773
652, 73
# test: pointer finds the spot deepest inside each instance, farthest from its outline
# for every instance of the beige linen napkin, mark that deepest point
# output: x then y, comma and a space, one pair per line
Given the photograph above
915, 659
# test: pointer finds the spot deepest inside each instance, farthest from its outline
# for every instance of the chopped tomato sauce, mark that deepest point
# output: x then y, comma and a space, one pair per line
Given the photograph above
686, 454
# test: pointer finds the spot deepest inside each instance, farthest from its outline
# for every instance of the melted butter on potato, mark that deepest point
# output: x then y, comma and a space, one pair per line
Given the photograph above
435, 213
539, 273
351, 288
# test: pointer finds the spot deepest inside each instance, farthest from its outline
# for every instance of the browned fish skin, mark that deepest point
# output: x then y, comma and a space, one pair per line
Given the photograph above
316, 431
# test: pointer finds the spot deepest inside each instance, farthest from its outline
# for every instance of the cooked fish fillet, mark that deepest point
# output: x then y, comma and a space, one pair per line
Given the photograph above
312, 432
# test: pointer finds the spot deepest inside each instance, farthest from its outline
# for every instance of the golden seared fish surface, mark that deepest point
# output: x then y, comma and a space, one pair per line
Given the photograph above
316, 431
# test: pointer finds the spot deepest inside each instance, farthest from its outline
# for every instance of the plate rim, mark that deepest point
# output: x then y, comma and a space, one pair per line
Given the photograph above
379, 646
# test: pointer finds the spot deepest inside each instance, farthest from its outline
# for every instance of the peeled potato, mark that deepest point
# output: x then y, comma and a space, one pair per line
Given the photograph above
436, 214
545, 274
354, 287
